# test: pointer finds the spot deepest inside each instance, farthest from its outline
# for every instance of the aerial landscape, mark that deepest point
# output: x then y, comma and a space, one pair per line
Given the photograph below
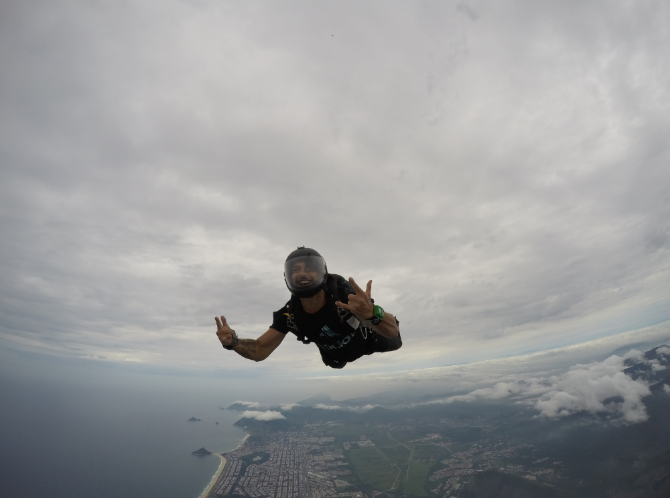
486, 448
303, 249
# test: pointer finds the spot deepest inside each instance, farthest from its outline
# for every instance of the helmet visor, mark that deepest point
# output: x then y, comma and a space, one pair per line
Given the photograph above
304, 273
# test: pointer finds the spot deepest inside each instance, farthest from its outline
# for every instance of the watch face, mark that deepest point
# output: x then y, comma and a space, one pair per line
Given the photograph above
379, 312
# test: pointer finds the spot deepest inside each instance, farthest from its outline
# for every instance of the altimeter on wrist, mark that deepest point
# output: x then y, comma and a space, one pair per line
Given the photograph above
378, 315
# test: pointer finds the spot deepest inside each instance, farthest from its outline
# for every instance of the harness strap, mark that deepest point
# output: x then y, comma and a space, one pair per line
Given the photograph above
337, 288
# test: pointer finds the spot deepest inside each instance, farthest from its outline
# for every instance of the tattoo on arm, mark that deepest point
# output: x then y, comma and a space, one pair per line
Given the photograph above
246, 348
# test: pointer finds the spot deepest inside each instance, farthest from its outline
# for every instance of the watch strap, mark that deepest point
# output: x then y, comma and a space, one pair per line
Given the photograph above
233, 343
378, 315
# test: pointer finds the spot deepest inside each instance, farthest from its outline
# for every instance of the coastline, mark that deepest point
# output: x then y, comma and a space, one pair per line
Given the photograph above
215, 477
222, 465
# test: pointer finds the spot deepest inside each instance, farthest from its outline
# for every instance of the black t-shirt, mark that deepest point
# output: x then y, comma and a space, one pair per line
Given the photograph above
336, 332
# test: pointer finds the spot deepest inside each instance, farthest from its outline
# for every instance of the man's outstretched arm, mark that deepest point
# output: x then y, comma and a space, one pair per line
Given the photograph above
252, 349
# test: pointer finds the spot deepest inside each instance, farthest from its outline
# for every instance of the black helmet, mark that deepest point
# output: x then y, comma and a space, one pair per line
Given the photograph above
305, 272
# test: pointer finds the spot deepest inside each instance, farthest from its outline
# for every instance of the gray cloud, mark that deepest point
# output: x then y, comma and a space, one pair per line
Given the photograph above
499, 169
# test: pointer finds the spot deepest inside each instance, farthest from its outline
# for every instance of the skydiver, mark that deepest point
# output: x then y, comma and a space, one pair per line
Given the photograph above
337, 315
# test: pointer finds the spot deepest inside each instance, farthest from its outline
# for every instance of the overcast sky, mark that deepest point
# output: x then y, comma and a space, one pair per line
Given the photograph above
499, 169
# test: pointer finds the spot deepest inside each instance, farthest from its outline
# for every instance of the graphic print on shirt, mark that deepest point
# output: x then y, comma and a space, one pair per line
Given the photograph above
327, 332
339, 344
291, 323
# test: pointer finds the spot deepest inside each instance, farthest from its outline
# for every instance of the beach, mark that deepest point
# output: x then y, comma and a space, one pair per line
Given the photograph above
216, 476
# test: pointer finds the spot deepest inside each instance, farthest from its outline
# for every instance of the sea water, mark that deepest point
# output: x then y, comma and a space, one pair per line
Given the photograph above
114, 439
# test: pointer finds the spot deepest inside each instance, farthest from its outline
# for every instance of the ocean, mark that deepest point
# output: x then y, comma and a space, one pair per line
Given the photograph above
110, 438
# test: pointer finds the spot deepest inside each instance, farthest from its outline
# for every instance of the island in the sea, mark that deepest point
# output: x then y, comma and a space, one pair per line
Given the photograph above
201, 452
194, 419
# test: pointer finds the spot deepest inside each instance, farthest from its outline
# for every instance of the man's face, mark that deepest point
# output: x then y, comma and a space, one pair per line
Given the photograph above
303, 274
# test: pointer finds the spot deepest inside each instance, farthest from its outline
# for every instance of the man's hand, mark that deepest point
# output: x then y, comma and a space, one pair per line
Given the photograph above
360, 303
224, 332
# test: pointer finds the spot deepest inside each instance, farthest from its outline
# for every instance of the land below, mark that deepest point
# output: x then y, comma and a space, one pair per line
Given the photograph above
467, 450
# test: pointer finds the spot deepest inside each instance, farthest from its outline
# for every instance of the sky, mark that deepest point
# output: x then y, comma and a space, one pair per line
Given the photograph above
498, 169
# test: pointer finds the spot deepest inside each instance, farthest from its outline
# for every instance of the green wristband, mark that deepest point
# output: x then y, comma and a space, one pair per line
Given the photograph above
378, 315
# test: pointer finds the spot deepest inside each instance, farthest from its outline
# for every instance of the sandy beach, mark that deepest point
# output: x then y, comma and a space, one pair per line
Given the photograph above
216, 476
214, 479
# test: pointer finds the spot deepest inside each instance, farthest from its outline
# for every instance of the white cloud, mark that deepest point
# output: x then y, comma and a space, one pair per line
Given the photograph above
249, 404
598, 387
285, 407
365, 408
585, 387
322, 406
658, 366
263, 416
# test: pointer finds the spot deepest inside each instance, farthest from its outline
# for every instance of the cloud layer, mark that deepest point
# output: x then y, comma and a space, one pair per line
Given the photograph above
598, 387
365, 408
285, 407
248, 404
263, 416
498, 168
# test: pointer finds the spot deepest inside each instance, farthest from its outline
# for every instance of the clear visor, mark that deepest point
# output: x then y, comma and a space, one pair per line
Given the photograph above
304, 272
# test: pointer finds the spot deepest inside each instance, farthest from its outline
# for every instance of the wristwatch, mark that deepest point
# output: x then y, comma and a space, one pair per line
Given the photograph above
233, 343
378, 315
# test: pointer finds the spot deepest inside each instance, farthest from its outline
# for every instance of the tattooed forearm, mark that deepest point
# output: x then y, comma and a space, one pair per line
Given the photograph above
247, 348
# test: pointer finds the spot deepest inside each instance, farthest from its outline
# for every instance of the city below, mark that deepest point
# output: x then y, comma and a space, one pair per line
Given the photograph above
460, 449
